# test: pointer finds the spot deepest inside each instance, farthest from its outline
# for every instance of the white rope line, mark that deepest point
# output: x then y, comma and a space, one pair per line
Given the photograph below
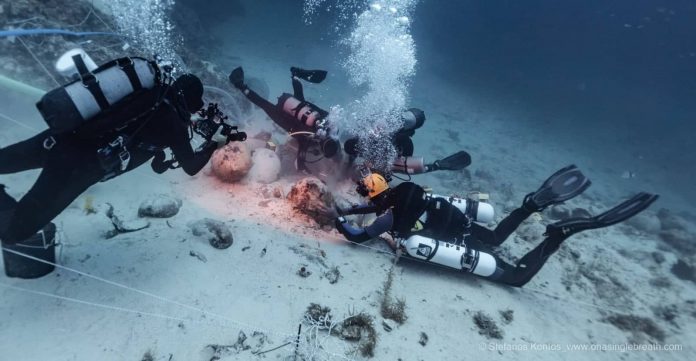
99, 17
146, 293
18, 122
289, 344
94, 304
37, 60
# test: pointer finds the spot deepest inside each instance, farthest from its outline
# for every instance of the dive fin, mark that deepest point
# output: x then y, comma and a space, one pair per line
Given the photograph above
237, 77
456, 161
620, 213
312, 76
560, 187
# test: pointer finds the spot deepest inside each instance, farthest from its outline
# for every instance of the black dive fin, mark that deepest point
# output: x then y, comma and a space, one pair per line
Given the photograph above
237, 77
456, 161
312, 76
560, 187
620, 213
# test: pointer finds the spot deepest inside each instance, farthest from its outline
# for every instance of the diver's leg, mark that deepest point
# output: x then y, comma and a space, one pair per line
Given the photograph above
25, 155
403, 144
57, 186
504, 229
237, 79
558, 232
268, 107
297, 89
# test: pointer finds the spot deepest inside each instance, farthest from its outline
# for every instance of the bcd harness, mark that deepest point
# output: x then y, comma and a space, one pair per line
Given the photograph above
67, 108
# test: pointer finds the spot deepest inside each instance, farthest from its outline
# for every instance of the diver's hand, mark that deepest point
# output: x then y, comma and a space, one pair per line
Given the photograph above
219, 139
339, 222
159, 164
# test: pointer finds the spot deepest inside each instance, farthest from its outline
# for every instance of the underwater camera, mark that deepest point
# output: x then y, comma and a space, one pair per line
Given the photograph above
212, 120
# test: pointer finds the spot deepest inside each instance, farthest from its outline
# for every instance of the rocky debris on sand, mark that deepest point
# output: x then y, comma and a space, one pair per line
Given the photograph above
312, 254
645, 222
359, 327
531, 231
679, 239
304, 272
266, 166
487, 326
232, 162
684, 271
216, 232
312, 198
638, 326
198, 255
254, 344
318, 315
423, 340
675, 232
668, 313
608, 287
559, 211
333, 275
121, 226
507, 316
159, 206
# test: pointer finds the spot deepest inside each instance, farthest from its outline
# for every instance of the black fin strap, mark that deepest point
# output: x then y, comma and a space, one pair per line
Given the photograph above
90, 82
128, 67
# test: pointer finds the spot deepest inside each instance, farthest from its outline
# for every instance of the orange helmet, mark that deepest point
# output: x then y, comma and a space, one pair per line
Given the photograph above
372, 185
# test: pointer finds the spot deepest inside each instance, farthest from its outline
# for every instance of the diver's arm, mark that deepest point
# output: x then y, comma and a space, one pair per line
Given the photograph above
191, 162
360, 209
381, 225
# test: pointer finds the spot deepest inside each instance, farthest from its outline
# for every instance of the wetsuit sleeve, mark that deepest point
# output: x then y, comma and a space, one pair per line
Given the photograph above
360, 209
381, 225
191, 162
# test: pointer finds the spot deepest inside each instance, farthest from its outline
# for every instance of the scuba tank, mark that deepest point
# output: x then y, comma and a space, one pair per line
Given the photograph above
305, 112
450, 255
409, 165
96, 91
476, 211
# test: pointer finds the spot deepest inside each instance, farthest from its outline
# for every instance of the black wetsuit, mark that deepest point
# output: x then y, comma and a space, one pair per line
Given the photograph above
401, 209
286, 121
71, 165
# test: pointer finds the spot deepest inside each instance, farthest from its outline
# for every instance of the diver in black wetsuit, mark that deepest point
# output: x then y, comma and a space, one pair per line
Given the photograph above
307, 123
70, 163
442, 230
303, 120
405, 162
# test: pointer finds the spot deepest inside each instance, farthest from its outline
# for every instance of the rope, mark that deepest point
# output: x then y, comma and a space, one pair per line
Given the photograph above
146, 293
27, 32
93, 304
17, 122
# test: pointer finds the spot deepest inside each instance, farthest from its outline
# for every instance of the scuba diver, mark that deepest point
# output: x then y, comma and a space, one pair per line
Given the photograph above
111, 120
307, 123
303, 120
405, 162
441, 230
